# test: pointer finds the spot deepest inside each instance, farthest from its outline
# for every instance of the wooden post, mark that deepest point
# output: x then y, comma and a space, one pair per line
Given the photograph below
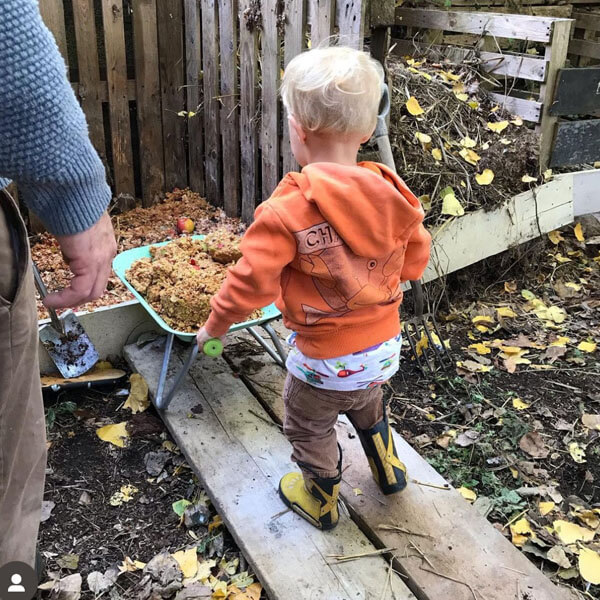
351, 22
193, 60
248, 105
149, 111
118, 98
321, 21
556, 55
53, 14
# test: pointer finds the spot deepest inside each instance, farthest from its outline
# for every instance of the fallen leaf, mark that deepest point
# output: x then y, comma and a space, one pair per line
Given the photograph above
517, 121
47, 508
467, 494
444, 440
179, 506
553, 353
533, 444
546, 508
130, 566
413, 107
102, 365
567, 574
204, 569
589, 565
591, 421
485, 178
68, 588
138, 394
467, 438
506, 312
569, 533
467, 142
587, 517
510, 287
357, 492
528, 179
437, 154
99, 583
578, 231
68, 561
215, 523
472, 366
470, 156
521, 532
587, 346
252, 592
557, 555
560, 341
451, 205
498, 127
547, 174
480, 348
519, 404
115, 434
187, 561
423, 138
194, 591
125, 494
155, 462
506, 142
577, 452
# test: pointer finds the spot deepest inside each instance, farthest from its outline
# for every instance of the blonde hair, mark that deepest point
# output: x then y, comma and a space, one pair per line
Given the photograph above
333, 90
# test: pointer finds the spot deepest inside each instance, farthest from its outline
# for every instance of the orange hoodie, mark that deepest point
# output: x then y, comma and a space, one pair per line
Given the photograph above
331, 247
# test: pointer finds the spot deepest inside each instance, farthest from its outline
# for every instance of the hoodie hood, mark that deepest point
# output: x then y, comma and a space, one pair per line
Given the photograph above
368, 205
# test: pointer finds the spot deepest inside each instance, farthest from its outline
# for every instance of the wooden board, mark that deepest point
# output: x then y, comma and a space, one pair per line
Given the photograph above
228, 36
193, 61
530, 110
53, 15
118, 103
248, 104
576, 143
351, 22
269, 138
171, 62
585, 193
586, 48
210, 71
457, 540
321, 14
149, 111
587, 20
520, 27
239, 456
577, 92
89, 72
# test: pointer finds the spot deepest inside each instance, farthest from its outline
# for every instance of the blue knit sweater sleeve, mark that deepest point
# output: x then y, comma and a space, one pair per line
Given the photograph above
44, 143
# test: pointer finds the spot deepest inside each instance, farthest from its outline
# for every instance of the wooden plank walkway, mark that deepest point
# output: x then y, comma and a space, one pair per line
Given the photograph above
240, 455
466, 557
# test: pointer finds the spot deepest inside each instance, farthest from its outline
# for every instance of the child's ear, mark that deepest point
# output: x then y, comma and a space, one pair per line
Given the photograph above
366, 138
297, 128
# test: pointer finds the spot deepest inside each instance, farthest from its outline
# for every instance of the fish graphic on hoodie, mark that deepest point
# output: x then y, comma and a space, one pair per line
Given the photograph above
331, 247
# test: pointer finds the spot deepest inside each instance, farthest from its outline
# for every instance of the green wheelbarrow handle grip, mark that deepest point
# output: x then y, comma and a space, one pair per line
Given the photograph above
211, 348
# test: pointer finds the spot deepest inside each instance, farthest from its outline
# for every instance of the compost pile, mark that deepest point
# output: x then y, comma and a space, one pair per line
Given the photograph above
179, 279
137, 227
456, 148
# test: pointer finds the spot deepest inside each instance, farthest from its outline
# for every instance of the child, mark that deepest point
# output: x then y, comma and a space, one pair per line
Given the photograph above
332, 246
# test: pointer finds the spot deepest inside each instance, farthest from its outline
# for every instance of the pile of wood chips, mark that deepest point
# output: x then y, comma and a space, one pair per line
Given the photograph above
137, 227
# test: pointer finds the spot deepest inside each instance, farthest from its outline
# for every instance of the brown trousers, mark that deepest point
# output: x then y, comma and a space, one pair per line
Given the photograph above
310, 417
22, 426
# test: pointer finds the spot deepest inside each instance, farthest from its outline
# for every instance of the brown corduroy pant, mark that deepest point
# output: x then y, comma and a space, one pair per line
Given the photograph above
310, 417
22, 426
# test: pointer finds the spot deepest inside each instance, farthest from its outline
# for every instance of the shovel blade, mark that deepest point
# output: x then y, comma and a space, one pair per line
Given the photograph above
72, 352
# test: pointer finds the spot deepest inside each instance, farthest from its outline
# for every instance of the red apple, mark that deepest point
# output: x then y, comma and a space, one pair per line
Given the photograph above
185, 225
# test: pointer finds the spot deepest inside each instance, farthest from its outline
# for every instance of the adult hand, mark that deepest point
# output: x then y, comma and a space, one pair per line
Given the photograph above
89, 255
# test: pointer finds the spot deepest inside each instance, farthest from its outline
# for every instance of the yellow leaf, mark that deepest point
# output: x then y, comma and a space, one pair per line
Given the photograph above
137, 401
452, 206
437, 154
517, 121
461, 96
102, 365
187, 561
591, 421
357, 492
589, 566
561, 259
449, 76
219, 589
426, 76
560, 341
569, 533
467, 494
574, 286
116, 434
425, 201
215, 523
125, 494
467, 142
129, 566
579, 233
519, 404
473, 104
498, 127
506, 142
485, 320
485, 178
547, 174
528, 179
423, 137
513, 350
470, 156
510, 287
577, 452
495, 109
521, 532
480, 348
485, 146
546, 507
413, 107
506, 312
252, 592
587, 346
556, 237
204, 569
514, 472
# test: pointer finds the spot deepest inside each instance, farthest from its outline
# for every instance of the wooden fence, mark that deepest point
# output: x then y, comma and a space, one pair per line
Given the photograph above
584, 49
185, 92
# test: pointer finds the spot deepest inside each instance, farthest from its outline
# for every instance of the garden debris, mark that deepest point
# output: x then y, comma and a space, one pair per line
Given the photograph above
47, 508
137, 401
115, 434
99, 583
68, 561
155, 462
67, 588
125, 494
533, 444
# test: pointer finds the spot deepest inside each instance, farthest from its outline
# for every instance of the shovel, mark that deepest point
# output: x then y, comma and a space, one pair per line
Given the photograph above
422, 331
65, 340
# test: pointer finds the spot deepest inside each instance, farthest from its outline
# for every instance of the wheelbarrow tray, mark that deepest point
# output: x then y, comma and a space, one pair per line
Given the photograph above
123, 262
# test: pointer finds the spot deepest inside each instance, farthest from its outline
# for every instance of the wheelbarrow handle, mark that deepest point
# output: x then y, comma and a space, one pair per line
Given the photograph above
417, 290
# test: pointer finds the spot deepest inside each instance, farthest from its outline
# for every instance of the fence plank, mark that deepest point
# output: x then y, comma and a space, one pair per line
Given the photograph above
294, 35
351, 22
89, 71
586, 48
521, 27
149, 113
116, 73
193, 60
587, 20
576, 143
530, 110
577, 92
210, 63
53, 14
556, 55
270, 105
171, 62
229, 105
321, 21
248, 106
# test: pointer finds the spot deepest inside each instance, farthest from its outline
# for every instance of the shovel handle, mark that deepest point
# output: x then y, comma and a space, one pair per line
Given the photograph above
41, 287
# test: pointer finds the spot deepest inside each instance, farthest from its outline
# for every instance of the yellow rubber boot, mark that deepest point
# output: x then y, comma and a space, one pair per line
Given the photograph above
316, 500
378, 443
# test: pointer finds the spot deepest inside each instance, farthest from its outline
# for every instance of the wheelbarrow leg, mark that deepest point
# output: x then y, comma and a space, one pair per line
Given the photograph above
276, 342
163, 372
277, 356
